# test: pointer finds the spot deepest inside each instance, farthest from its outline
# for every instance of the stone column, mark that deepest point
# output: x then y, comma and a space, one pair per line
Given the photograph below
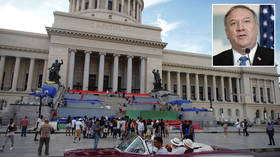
265, 91
140, 14
78, 5
222, 89
205, 88
83, 5
30, 74
71, 68
178, 84
129, 74
122, 6
16, 72
90, 4
115, 5
137, 12
133, 9
116, 72
2, 67
196, 87
45, 71
214, 88
98, 4
230, 88
106, 4
238, 90
101, 71
142, 75
73, 6
168, 81
128, 8
86, 70
258, 91
188, 86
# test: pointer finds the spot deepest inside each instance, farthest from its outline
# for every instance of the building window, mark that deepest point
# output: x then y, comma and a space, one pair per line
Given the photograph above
110, 5
120, 7
268, 95
237, 112
258, 114
217, 94
226, 94
221, 112
254, 94
235, 95
95, 4
165, 86
193, 93
86, 5
25, 82
201, 96
2, 83
184, 88
40, 81
209, 93
175, 88
229, 112
261, 90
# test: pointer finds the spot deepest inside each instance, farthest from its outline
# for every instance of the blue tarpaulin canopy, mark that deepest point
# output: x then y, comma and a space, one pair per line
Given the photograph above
179, 102
51, 91
81, 100
195, 109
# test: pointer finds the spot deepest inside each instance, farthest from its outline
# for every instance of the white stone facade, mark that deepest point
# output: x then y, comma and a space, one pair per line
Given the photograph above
110, 49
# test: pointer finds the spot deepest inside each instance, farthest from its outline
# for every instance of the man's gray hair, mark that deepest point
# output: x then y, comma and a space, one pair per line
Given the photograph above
242, 7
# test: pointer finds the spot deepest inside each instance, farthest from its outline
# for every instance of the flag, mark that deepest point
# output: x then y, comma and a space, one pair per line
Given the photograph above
267, 26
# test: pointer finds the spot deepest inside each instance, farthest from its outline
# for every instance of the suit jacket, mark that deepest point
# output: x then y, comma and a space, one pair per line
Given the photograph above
263, 57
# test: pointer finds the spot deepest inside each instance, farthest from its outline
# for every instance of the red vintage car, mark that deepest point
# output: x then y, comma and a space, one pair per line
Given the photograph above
136, 146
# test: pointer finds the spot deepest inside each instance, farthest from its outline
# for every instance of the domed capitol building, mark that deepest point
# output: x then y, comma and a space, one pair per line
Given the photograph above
104, 46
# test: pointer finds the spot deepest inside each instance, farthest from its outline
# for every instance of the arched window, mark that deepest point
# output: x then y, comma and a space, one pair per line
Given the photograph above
258, 114
237, 113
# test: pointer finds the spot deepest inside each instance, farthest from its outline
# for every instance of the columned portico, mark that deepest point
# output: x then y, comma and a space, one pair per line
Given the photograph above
16, 72
178, 84
30, 74
188, 86
230, 89
86, 70
168, 81
71, 68
129, 74
101, 71
258, 91
265, 91
2, 66
115, 72
238, 89
222, 89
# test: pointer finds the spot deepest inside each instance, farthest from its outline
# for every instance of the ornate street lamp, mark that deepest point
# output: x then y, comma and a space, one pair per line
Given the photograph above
41, 96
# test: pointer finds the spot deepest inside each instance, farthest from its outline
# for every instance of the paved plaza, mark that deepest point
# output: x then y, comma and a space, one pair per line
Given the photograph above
26, 147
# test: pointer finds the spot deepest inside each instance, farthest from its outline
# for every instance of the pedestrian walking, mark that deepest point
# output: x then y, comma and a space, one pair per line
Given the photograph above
45, 131
237, 124
270, 133
78, 130
73, 123
245, 127
191, 133
96, 128
9, 135
68, 125
24, 124
39, 123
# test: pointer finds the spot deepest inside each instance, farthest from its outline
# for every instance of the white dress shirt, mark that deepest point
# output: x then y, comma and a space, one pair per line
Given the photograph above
237, 55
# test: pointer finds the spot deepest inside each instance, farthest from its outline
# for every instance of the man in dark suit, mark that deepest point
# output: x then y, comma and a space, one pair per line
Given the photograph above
241, 28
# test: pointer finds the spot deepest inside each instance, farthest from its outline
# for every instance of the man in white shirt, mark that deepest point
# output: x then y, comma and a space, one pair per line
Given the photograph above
140, 127
39, 123
78, 130
73, 125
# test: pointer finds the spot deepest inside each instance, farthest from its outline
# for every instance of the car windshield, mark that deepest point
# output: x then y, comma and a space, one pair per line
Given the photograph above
125, 143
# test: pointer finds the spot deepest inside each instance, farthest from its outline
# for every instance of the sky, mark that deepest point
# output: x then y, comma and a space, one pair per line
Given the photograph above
186, 24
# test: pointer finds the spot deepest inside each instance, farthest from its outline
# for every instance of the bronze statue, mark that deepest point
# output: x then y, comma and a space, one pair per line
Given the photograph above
54, 71
157, 83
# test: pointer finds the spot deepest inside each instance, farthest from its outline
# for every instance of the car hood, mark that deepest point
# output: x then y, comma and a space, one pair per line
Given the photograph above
91, 152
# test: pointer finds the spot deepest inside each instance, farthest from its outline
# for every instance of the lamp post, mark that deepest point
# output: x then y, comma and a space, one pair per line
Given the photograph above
38, 94
211, 107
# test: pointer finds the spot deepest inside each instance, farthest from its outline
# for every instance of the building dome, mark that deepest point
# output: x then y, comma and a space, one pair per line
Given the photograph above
117, 10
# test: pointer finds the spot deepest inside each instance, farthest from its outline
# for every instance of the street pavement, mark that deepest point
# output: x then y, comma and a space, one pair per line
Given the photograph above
258, 142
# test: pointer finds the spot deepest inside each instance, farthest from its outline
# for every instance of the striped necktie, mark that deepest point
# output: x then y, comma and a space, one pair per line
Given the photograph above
243, 60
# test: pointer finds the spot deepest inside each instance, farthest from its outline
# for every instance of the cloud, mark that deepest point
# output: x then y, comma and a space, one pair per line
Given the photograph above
149, 3
32, 18
165, 26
